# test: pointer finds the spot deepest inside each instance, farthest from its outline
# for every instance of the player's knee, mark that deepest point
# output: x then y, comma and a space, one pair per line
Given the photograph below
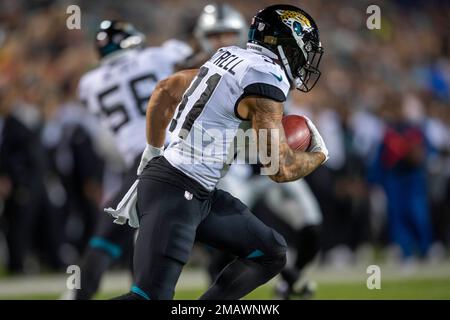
272, 254
277, 261
278, 251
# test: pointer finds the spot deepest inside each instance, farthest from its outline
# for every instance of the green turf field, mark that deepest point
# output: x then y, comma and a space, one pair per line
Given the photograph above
401, 289
429, 288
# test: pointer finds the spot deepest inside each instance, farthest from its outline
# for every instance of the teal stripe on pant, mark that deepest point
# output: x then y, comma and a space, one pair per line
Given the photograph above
112, 249
135, 289
255, 254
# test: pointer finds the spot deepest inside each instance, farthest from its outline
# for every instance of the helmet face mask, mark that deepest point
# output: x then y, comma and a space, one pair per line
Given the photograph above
304, 65
293, 36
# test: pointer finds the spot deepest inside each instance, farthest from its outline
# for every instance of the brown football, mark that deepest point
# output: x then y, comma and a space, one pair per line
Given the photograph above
297, 132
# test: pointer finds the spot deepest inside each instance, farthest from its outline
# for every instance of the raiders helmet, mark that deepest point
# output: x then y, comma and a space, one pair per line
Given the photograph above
219, 18
292, 35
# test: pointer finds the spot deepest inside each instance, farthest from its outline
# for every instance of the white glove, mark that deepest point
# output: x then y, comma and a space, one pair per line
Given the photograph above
126, 209
317, 143
149, 153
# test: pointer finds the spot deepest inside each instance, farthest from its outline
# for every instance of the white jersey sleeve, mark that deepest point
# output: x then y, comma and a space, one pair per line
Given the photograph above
265, 80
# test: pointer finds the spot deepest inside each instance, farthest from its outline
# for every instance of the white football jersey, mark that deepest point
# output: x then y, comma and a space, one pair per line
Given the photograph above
205, 122
119, 89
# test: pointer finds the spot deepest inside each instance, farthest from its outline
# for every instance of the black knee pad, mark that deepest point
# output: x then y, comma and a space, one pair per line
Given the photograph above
272, 246
277, 246
277, 261
272, 264
269, 241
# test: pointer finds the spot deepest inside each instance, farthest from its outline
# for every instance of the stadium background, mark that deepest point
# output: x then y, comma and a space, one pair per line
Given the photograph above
51, 188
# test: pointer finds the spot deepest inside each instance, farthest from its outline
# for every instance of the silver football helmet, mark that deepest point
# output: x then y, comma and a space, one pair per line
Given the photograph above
220, 18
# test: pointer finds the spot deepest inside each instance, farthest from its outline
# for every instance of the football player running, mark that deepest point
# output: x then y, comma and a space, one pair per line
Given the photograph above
290, 208
118, 91
177, 198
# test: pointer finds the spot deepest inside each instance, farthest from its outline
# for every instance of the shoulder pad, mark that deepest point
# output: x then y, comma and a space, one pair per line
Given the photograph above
266, 79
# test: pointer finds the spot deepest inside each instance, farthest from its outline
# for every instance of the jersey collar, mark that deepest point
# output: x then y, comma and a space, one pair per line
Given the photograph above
261, 50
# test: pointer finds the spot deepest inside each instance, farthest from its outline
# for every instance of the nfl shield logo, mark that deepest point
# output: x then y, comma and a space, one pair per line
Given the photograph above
188, 195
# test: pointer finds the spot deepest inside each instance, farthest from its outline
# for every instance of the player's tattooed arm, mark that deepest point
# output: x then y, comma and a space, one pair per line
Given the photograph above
162, 104
267, 114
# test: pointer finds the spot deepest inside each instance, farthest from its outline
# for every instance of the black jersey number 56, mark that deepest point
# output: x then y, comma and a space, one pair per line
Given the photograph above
118, 110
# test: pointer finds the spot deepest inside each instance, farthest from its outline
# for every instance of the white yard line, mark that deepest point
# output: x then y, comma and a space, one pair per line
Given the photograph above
194, 279
388, 272
56, 284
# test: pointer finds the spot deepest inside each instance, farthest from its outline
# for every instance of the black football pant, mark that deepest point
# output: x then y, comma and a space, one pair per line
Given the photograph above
173, 213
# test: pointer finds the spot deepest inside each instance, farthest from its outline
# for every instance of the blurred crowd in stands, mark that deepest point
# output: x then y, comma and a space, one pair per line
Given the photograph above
382, 105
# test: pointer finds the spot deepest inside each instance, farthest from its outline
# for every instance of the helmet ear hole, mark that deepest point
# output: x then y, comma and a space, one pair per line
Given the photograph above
308, 46
295, 57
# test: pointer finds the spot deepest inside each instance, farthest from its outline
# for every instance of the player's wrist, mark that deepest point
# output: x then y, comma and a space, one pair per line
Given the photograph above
151, 151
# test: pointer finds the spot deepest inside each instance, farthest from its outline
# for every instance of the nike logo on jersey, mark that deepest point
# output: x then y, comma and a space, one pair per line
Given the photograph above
279, 78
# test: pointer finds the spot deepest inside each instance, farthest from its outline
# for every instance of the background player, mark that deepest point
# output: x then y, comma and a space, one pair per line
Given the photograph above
117, 91
218, 25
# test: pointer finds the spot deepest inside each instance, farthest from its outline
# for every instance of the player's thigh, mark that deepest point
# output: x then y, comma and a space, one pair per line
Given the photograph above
168, 221
231, 227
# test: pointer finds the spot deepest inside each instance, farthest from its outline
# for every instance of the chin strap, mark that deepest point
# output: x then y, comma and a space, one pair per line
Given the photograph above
285, 62
260, 49
297, 81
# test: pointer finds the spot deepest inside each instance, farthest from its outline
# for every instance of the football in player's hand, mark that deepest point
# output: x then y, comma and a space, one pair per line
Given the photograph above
297, 132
